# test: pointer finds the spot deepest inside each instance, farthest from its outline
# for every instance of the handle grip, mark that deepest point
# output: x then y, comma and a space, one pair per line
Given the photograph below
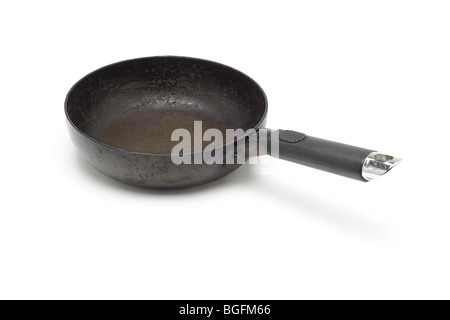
330, 156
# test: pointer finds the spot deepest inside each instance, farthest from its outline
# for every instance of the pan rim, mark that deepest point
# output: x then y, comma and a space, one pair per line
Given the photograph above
257, 126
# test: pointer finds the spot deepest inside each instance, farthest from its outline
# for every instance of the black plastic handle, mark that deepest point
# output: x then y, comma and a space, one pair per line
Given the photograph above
330, 156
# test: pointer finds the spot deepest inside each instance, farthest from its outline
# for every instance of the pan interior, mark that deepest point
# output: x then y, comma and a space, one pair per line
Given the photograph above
136, 105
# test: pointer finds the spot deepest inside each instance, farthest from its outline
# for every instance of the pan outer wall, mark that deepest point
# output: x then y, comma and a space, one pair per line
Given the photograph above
145, 170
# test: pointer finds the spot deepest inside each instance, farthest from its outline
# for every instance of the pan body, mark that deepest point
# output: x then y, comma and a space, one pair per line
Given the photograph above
121, 117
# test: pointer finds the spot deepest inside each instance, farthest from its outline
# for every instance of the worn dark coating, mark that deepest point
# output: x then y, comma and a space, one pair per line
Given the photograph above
121, 117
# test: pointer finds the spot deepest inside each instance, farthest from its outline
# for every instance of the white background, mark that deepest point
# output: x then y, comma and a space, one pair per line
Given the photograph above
375, 74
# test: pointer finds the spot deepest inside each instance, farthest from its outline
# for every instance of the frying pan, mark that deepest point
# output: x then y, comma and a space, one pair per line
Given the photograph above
121, 118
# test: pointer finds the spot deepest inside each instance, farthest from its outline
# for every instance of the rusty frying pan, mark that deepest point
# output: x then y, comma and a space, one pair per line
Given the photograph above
121, 118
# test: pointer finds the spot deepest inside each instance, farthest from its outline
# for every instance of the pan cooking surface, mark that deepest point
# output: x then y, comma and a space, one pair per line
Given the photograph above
150, 132
135, 105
